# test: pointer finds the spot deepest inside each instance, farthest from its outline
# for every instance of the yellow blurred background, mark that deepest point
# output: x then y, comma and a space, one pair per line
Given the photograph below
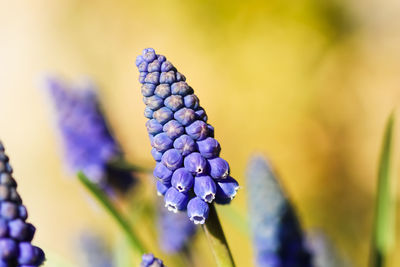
310, 83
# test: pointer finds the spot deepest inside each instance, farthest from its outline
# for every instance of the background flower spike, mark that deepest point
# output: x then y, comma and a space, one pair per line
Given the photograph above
87, 140
278, 239
15, 233
189, 167
175, 230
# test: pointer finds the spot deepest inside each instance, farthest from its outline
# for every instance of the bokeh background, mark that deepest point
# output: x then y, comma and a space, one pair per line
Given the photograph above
310, 83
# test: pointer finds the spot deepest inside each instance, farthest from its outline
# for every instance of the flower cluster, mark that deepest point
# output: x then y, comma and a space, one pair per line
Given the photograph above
174, 230
190, 173
15, 233
148, 260
277, 235
88, 143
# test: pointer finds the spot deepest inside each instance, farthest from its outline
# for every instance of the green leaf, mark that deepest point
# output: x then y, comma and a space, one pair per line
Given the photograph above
217, 241
384, 226
113, 211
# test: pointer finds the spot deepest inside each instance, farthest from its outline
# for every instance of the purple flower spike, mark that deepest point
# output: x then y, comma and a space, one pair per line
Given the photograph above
161, 188
163, 90
148, 113
174, 102
198, 130
23, 213
197, 210
162, 142
154, 102
277, 235
9, 210
149, 54
191, 101
181, 88
156, 155
148, 89
195, 163
8, 248
15, 233
162, 173
172, 159
201, 114
219, 168
93, 250
139, 60
185, 116
205, 188
226, 190
182, 180
3, 228
175, 200
163, 115
154, 66
148, 260
167, 66
209, 147
153, 127
167, 77
173, 129
20, 230
185, 137
29, 255
185, 144
152, 77
87, 139
175, 230
143, 67
210, 131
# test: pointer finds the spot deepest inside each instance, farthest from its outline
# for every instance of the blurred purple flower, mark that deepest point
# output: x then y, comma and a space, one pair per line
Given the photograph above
325, 253
277, 236
88, 143
174, 230
94, 250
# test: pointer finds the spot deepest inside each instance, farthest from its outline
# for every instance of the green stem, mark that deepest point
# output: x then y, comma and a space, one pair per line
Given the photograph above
113, 211
217, 241
123, 165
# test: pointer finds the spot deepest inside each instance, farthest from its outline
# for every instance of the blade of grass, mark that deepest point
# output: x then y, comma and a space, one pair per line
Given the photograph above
113, 211
384, 227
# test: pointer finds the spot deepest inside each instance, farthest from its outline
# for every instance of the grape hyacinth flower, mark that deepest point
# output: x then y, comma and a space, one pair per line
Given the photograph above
148, 260
324, 251
15, 233
93, 250
175, 230
277, 236
191, 174
88, 143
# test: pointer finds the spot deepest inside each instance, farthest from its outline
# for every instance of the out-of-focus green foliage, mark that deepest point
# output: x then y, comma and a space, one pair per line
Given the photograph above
384, 227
